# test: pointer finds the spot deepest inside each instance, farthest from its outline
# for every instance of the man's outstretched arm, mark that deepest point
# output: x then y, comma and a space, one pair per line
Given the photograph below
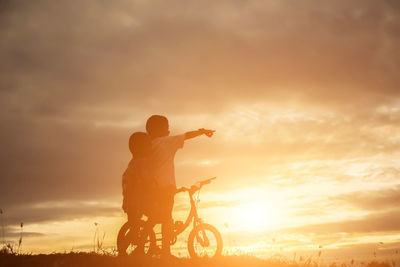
199, 132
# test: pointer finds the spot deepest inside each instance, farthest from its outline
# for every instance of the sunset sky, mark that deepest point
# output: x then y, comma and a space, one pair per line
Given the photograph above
304, 97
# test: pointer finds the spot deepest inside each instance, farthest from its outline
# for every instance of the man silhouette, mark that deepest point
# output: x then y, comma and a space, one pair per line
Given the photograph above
164, 148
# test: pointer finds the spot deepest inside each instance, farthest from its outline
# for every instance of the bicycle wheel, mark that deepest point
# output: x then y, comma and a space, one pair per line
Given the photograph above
204, 241
135, 241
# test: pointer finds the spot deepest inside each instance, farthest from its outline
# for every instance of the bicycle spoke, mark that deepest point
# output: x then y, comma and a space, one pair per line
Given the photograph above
205, 243
135, 241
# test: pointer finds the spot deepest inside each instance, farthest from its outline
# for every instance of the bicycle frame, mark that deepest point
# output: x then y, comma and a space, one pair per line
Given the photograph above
193, 215
198, 232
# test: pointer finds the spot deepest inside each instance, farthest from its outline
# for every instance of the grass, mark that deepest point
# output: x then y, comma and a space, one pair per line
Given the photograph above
103, 260
11, 255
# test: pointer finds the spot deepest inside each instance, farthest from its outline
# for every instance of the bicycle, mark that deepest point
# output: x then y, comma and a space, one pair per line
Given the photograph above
204, 239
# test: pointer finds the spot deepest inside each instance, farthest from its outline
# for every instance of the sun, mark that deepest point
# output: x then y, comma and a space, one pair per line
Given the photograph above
253, 216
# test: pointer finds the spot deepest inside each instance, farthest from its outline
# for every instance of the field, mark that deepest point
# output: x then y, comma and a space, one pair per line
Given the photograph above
97, 260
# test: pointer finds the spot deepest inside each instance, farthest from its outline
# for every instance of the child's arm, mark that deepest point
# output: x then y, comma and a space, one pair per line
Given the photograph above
199, 132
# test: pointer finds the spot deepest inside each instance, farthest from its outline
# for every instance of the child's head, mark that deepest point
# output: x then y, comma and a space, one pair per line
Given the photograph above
140, 144
157, 126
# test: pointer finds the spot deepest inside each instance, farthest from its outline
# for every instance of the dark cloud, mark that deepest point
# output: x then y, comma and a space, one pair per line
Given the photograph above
61, 211
56, 161
120, 54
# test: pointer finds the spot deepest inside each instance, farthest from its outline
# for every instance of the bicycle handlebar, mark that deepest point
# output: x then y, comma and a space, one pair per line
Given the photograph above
195, 187
207, 181
182, 189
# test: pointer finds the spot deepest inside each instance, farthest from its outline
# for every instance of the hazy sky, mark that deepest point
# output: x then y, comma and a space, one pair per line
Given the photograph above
304, 96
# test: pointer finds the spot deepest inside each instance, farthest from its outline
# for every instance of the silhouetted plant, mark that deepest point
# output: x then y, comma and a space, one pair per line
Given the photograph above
2, 225
8, 249
20, 237
98, 240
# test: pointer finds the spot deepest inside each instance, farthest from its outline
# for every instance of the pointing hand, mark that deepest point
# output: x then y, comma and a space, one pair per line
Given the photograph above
207, 132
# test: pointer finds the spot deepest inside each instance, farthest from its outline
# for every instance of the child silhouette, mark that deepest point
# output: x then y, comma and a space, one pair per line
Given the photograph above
163, 152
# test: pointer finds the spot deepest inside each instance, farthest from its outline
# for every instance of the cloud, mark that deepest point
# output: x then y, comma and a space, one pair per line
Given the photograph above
376, 222
373, 200
15, 235
45, 212
136, 54
209, 204
283, 83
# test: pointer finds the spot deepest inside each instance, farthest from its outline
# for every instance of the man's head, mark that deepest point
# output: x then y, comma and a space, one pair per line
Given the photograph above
157, 126
140, 144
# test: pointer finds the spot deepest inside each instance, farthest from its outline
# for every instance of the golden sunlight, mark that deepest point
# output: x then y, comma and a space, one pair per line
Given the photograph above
254, 216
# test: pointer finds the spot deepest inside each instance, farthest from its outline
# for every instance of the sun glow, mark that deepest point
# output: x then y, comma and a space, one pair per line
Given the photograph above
254, 216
